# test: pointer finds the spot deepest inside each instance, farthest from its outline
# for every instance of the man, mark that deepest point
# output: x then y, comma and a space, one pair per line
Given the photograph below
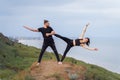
47, 33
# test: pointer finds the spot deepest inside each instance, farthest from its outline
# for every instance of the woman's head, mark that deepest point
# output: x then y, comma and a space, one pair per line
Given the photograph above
87, 41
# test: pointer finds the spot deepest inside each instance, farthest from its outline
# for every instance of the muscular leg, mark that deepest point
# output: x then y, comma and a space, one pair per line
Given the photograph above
66, 50
67, 40
42, 52
55, 51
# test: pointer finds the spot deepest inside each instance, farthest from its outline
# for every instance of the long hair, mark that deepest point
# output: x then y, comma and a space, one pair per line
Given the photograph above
88, 42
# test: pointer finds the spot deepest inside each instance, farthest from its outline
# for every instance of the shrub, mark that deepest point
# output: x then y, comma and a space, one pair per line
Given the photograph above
73, 76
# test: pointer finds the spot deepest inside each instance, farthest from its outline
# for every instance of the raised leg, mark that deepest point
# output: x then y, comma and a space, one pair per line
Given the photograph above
67, 40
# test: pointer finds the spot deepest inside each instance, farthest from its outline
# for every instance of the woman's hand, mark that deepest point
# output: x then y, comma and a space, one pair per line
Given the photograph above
87, 47
87, 24
95, 49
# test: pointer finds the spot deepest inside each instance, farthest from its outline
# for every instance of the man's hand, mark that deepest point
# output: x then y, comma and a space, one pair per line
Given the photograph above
25, 27
48, 34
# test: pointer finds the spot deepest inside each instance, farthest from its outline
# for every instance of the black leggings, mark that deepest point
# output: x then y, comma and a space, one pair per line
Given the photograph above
69, 44
44, 47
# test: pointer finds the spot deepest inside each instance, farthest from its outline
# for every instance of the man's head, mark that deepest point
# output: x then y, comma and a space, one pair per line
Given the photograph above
46, 23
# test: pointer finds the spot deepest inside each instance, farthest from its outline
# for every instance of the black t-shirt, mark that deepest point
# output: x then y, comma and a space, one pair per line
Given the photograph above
44, 31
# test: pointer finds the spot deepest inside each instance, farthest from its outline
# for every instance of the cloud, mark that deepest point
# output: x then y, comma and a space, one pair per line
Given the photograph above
105, 7
102, 7
101, 13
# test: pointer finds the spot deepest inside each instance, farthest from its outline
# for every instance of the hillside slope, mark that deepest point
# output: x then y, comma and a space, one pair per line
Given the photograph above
17, 62
50, 70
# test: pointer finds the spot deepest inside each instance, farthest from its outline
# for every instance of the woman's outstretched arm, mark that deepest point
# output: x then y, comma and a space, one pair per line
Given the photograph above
83, 31
31, 29
88, 48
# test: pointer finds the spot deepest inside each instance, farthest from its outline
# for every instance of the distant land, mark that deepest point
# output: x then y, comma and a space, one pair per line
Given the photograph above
25, 38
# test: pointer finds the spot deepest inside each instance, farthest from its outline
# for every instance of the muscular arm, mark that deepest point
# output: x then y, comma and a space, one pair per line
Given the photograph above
31, 29
88, 48
52, 33
49, 34
84, 30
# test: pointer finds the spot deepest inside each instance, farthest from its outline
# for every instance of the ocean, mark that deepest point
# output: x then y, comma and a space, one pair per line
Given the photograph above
108, 55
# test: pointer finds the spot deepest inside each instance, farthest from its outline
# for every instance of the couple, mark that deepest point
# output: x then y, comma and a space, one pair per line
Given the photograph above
47, 33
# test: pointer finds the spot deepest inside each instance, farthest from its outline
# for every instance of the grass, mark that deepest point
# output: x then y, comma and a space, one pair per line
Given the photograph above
73, 76
16, 57
56, 76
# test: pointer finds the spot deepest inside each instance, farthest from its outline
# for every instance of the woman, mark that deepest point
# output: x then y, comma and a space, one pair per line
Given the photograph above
83, 42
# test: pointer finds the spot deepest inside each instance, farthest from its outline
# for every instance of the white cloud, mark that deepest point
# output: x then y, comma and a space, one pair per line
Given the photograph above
105, 7
102, 7
102, 13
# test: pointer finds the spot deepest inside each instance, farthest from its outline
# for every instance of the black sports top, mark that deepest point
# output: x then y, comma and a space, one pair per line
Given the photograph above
77, 42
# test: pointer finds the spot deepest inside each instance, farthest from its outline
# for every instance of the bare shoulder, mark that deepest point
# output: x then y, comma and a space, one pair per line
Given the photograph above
82, 45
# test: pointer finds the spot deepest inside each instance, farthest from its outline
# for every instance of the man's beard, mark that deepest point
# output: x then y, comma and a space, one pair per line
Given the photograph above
47, 26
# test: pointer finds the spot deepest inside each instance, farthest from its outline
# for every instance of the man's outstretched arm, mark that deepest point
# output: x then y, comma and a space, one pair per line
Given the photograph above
31, 29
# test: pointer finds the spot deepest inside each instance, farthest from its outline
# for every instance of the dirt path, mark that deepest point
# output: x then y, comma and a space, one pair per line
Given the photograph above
50, 70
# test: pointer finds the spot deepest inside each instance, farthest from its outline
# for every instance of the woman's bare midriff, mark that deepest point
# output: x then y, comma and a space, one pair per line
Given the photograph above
74, 42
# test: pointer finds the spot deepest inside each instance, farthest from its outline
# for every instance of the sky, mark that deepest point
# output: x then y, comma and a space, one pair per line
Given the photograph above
67, 17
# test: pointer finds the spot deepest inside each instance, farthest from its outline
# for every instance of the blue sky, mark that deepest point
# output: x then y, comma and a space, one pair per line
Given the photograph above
67, 17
